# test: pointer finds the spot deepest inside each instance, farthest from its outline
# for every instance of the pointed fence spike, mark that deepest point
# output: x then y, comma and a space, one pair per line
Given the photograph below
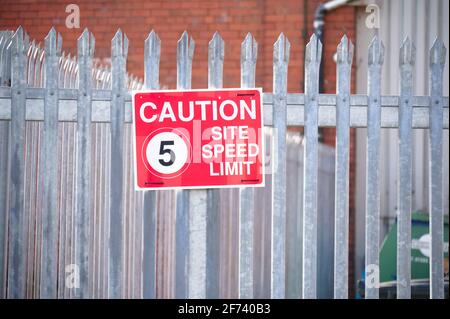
19, 29
35, 51
249, 49
183, 43
50, 42
282, 48
376, 51
438, 52
345, 51
153, 44
407, 52
313, 50
152, 57
216, 47
117, 43
17, 41
186, 45
184, 36
185, 54
83, 43
215, 61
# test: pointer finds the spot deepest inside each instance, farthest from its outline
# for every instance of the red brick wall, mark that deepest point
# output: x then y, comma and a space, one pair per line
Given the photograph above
233, 19
201, 18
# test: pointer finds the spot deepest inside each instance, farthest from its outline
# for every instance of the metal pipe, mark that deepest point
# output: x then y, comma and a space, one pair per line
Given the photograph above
319, 23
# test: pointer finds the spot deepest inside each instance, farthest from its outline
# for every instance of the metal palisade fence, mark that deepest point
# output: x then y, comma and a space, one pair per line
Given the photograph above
72, 225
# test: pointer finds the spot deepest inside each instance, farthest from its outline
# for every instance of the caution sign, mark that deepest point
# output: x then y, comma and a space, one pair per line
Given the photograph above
198, 138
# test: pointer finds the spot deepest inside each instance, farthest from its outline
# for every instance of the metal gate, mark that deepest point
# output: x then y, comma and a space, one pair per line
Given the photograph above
68, 207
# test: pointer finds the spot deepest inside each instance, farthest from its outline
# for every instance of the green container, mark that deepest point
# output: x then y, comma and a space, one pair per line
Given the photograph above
420, 253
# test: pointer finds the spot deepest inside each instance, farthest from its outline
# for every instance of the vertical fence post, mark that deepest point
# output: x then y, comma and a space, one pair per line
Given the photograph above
249, 53
310, 167
119, 51
49, 168
149, 215
4, 147
280, 67
376, 54
341, 189
407, 56
86, 47
185, 53
437, 61
212, 213
5, 69
17, 228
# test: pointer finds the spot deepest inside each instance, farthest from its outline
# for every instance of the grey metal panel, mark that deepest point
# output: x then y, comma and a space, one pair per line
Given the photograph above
119, 51
278, 234
313, 55
341, 233
437, 60
407, 59
249, 53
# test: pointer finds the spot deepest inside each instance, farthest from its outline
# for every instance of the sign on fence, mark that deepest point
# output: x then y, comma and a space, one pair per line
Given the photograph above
198, 138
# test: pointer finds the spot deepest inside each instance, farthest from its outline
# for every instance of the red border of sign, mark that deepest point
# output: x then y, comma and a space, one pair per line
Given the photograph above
263, 148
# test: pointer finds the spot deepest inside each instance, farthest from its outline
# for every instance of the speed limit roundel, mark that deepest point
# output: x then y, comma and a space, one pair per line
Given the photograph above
166, 152
198, 138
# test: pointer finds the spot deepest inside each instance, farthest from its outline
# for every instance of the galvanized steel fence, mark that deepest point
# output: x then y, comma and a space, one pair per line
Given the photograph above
66, 206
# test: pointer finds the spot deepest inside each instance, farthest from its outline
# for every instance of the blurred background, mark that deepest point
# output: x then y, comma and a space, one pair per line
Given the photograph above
422, 20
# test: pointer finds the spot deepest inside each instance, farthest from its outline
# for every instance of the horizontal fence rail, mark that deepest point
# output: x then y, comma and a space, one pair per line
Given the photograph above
68, 204
295, 108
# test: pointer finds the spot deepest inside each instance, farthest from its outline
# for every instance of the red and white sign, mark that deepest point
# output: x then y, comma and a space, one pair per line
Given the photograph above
198, 138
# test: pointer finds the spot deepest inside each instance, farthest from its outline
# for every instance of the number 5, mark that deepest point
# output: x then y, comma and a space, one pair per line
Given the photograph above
163, 150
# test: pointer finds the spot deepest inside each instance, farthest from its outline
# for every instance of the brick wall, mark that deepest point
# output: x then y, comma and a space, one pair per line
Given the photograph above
201, 18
